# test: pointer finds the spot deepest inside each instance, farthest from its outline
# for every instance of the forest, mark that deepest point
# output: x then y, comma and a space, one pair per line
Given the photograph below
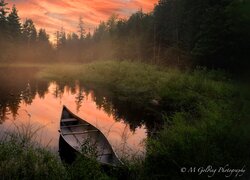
182, 68
214, 34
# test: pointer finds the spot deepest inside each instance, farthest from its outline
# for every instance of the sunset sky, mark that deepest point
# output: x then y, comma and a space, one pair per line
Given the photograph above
54, 14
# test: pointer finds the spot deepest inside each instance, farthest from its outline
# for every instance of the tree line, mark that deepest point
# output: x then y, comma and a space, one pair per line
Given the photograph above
20, 41
211, 33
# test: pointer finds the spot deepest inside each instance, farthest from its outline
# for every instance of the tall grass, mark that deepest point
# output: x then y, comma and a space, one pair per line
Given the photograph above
21, 157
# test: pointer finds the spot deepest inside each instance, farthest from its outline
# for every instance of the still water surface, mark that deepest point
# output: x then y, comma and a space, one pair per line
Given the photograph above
25, 101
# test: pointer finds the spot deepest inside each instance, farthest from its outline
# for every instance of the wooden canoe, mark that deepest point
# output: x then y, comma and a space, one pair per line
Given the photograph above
86, 138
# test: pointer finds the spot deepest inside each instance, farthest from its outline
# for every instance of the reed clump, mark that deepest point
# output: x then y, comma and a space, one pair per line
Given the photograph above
21, 157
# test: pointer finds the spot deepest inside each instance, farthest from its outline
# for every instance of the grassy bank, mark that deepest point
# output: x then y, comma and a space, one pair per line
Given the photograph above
21, 157
142, 83
25, 160
205, 115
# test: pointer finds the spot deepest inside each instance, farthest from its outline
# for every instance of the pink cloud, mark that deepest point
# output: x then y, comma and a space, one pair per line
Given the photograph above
52, 15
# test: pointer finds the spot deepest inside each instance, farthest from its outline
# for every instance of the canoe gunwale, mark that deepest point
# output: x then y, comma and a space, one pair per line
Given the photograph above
84, 132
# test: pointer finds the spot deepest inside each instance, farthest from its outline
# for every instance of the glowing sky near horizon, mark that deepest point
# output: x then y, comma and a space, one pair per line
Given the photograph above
54, 14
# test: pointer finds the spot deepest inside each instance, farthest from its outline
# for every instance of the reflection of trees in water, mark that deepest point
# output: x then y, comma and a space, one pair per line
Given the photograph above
105, 104
57, 93
72, 88
18, 85
128, 111
25, 88
42, 88
106, 101
14, 105
28, 95
79, 98
119, 110
4, 112
101, 101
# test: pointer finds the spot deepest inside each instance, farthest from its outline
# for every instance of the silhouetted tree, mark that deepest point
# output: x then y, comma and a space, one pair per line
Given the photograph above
29, 31
88, 36
74, 37
14, 25
43, 36
81, 30
210, 33
62, 39
3, 30
101, 32
44, 47
3, 20
57, 37
112, 24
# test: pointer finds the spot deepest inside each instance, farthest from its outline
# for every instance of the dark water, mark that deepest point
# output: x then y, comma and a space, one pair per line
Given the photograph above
29, 103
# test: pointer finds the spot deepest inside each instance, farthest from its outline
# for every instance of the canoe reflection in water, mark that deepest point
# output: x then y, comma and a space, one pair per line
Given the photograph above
78, 136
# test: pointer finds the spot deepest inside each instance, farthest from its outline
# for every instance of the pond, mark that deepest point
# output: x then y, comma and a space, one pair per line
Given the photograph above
27, 103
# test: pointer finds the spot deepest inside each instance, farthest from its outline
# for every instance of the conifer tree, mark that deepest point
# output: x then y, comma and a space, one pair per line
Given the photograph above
81, 28
14, 25
3, 20
29, 31
43, 36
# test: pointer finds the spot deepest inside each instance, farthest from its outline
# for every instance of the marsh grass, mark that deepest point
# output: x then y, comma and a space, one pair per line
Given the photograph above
147, 87
205, 114
26, 132
21, 157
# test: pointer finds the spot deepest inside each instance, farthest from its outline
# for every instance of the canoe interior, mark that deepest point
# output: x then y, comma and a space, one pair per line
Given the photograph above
86, 139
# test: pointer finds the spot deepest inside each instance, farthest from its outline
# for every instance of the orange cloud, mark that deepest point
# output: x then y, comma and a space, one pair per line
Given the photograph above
52, 15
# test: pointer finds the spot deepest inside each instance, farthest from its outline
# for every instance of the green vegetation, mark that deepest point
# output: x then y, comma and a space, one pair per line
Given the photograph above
83, 168
142, 83
22, 158
18, 162
205, 115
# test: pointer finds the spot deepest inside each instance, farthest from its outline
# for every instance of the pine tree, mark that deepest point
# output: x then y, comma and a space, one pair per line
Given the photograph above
88, 36
61, 38
81, 28
3, 20
74, 37
43, 36
43, 45
3, 30
29, 31
57, 37
14, 25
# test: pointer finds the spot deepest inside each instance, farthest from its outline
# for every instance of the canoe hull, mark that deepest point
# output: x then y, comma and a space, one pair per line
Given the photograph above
86, 139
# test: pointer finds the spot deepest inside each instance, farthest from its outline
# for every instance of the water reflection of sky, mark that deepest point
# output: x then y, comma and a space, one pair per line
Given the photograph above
45, 111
